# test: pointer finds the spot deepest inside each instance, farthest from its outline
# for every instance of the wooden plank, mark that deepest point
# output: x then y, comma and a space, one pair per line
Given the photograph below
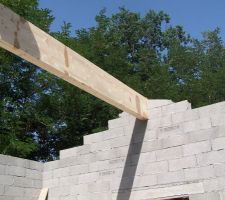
43, 194
32, 44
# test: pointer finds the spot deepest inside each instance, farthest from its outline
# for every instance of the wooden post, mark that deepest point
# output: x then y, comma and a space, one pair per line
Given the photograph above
43, 194
32, 44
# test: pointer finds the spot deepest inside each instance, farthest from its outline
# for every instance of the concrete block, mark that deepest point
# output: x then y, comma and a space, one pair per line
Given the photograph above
155, 113
36, 165
78, 169
212, 157
119, 122
22, 182
61, 172
191, 115
170, 131
175, 140
2, 169
151, 145
196, 148
144, 181
37, 184
1, 190
218, 143
166, 121
205, 196
79, 189
221, 183
99, 186
170, 177
68, 181
153, 123
48, 166
14, 191
178, 117
101, 146
201, 135
6, 180
218, 119
147, 157
114, 133
170, 153
210, 185
182, 163
93, 138
51, 183
176, 107
199, 173
88, 178
33, 174
202, 123
219, 169
15, 171
72, 152
46, 175
156, 168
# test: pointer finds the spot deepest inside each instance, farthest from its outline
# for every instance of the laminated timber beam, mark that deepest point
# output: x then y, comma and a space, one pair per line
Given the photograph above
34, 45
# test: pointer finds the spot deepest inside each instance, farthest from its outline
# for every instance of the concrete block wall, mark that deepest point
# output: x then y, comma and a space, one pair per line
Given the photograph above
20, 179
179, 152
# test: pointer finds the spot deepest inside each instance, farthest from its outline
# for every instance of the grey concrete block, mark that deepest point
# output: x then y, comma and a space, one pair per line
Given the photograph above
15, 171
175, 140
88, 178
51, 165
176, 107
202, 123
199, 173
205, 196
170, 131
119, 122
219, 169
99, 186
2, 169
156, 168
22, 182
218, 143
218, 119
78, 169
182, 163
14, 191
170, 153
33, 174
61, 172
166, 120
212, 157
196, 148
170, 177
210, 185
1, 189
68, 181
6, 180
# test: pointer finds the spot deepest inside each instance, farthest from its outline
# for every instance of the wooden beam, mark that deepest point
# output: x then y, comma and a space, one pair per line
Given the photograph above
32, 44
43, 194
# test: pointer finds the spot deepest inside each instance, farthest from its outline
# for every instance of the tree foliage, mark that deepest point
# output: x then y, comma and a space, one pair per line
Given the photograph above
41, 114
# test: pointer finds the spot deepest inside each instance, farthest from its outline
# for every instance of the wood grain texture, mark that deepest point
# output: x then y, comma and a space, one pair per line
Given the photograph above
34, 45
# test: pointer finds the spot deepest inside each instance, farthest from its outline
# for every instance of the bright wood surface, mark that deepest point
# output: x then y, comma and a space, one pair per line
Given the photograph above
43, 194
34, 45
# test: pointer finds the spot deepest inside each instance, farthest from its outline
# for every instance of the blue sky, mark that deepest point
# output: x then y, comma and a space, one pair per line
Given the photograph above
196, 16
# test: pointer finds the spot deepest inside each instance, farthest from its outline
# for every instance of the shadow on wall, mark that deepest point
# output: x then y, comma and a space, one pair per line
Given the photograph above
131, 164
16, 35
